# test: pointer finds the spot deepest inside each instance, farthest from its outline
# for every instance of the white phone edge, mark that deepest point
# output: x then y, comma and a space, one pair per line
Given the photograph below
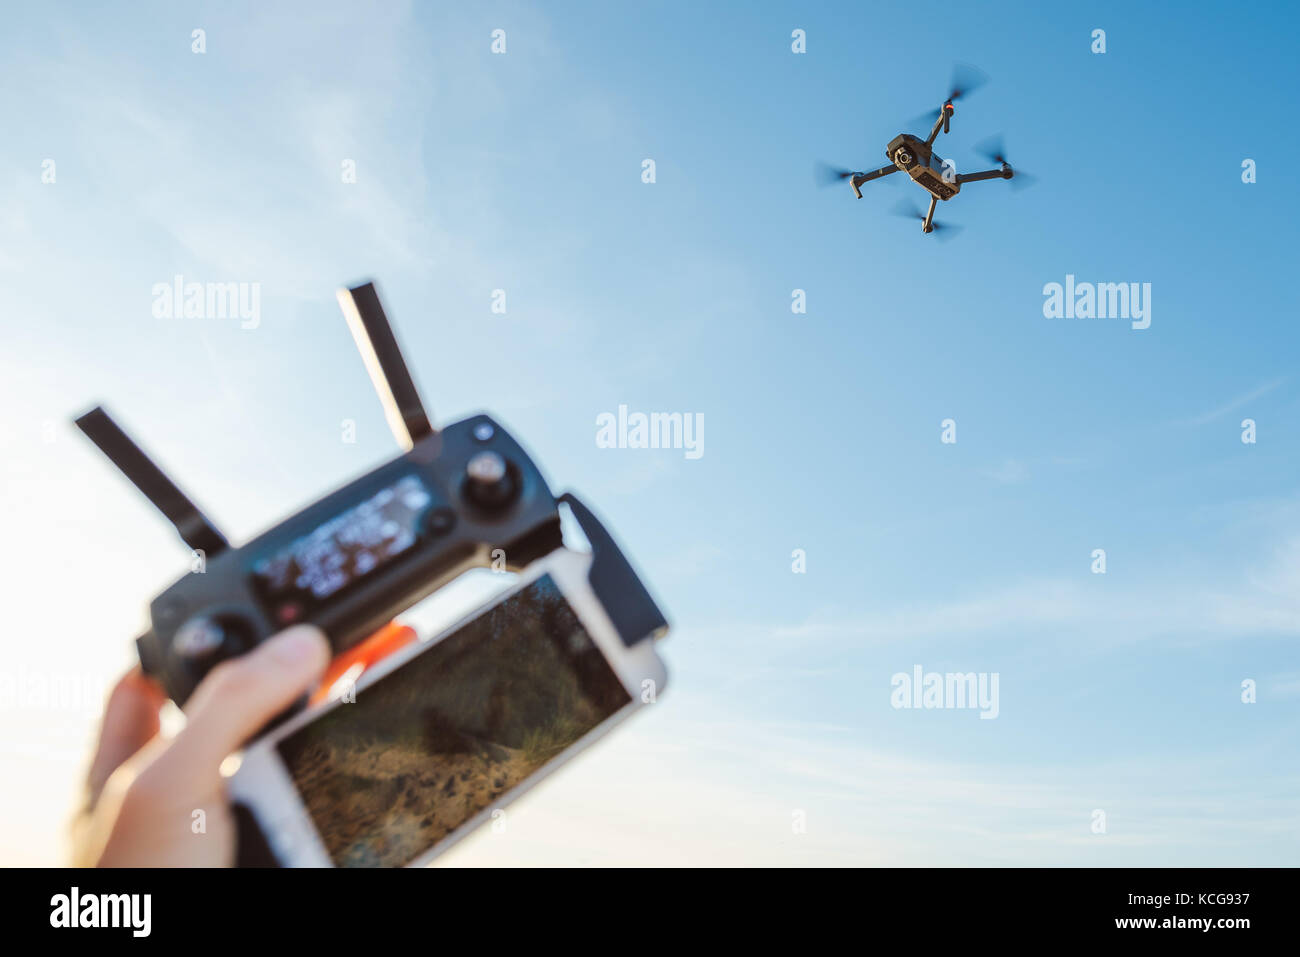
263, 785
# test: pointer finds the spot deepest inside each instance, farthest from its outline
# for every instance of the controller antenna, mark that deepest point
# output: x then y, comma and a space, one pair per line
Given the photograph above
194, 528
383, 358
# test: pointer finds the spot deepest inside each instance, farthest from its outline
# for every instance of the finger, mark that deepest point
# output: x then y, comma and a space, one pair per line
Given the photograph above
241, 695
130, 722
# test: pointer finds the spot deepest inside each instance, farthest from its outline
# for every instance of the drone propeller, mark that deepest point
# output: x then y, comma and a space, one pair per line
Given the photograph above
966, 79
992, 149
828, 175
909, 210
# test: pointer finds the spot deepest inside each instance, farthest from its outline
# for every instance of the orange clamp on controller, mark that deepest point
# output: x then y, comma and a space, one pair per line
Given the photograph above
353, 662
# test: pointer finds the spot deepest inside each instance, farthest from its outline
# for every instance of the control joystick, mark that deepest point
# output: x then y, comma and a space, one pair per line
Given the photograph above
490, 481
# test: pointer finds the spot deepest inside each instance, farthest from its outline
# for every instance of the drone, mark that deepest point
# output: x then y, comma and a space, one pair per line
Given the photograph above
916, 157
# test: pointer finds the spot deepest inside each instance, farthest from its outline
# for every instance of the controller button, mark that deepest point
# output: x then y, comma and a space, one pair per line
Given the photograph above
288, 613
201, 638
489, 481
486, 468
441, 521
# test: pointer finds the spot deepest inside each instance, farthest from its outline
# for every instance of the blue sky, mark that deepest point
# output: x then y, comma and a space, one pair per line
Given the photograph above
522, 172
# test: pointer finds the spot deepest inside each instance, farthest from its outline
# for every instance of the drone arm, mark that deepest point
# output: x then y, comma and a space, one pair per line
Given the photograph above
860, 178
987, 174
941, 123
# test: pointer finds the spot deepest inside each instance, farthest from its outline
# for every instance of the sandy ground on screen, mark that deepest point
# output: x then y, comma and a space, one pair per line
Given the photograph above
390, 806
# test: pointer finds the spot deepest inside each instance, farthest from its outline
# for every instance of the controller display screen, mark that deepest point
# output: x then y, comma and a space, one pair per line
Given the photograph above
346, 548
431, 744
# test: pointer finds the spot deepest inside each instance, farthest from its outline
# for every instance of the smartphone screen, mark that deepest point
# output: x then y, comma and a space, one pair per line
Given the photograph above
431, 744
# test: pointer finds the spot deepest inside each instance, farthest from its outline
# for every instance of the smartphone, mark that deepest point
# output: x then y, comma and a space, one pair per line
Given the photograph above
435, 738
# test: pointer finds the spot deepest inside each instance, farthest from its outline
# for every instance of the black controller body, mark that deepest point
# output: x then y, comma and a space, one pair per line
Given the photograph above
353, 560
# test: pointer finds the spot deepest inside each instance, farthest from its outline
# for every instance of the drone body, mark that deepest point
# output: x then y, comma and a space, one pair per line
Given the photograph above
917, 158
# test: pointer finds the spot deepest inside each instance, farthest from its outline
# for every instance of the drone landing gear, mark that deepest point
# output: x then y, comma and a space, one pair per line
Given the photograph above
911, 211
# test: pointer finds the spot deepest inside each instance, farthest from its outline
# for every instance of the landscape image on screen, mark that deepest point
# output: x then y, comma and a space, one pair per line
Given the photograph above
444, 736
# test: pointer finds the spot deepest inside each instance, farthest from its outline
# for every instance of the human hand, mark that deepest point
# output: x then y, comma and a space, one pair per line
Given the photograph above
153, 802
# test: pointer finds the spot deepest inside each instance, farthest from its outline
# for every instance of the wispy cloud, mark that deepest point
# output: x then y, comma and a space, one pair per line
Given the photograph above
1234, 404
1284, 685
680, 792
1010, 472
1261, 601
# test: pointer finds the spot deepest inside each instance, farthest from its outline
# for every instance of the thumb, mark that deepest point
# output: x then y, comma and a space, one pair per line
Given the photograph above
239, 696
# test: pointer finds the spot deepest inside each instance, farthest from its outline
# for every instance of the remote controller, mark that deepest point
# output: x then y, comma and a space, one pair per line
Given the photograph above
354, 559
